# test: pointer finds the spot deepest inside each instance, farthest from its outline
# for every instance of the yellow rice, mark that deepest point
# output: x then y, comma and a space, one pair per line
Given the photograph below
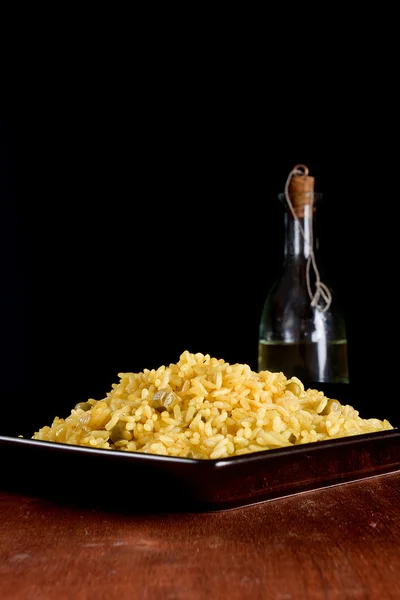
219, 410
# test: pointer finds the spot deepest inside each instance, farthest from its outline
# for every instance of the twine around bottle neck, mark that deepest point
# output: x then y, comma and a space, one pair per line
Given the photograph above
321, 290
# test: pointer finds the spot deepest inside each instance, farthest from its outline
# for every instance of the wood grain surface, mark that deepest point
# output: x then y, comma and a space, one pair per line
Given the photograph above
337, 543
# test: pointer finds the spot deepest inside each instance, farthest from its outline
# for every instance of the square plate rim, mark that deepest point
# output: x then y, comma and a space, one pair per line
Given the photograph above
227, 462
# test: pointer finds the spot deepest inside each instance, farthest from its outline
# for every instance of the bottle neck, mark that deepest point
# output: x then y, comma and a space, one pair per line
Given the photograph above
299, 236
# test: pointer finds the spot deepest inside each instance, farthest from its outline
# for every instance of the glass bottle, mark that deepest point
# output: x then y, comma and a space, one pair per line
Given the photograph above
302, 329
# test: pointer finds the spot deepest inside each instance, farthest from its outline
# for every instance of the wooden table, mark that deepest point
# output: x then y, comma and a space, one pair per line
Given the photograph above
337, 543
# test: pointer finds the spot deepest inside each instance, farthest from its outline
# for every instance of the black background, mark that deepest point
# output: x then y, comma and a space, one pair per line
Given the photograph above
132, 231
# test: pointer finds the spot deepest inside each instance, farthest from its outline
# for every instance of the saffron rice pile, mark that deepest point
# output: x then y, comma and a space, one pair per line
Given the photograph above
206, 408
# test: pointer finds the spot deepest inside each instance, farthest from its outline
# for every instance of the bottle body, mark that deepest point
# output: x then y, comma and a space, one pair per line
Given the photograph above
300, 333
298, 339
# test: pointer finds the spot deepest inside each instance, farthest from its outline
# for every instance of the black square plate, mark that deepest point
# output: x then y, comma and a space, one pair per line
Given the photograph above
144, 481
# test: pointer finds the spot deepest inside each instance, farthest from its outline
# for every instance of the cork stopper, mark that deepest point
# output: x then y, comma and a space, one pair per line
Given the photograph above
301, 190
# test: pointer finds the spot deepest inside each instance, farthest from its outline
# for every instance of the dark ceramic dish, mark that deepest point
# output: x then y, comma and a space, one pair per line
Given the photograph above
141, 481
